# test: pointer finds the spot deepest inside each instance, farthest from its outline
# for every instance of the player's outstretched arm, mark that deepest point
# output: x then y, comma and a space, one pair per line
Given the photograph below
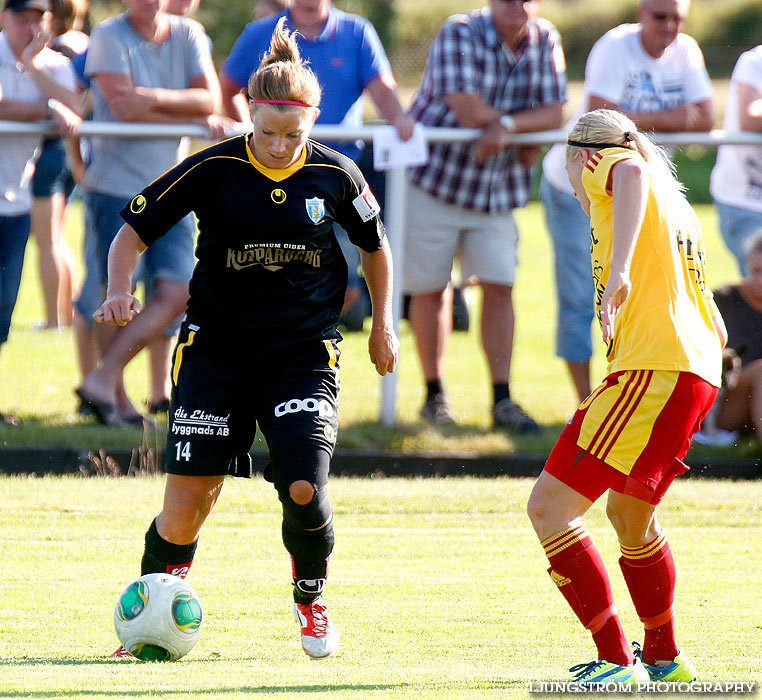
383, 345
120, 306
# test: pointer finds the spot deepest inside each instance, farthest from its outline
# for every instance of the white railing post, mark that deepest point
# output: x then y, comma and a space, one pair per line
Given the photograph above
396, 195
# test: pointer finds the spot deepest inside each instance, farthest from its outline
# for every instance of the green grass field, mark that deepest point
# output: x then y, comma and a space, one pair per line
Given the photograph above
438, 588
38, 369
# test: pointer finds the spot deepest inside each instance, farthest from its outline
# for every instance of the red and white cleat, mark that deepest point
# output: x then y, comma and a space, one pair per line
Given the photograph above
320, 638
122, 653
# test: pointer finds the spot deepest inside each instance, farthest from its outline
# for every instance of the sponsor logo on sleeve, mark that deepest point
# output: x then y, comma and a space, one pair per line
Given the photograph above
366, 204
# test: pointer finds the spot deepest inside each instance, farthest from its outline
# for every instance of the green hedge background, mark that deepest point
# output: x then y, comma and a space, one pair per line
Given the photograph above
724, 29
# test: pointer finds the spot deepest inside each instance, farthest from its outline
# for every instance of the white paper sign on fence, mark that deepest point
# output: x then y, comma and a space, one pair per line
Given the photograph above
389, 151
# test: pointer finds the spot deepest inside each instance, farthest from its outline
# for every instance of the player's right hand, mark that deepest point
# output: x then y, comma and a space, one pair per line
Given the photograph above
617, 290
118, 309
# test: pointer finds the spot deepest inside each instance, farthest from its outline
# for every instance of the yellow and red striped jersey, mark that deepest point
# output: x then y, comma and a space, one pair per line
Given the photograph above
666, 322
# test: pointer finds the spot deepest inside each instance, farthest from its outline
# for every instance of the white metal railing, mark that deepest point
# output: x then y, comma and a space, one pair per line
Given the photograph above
396, 181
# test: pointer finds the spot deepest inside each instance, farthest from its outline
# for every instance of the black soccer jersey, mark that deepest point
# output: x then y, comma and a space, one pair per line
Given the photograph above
269, 264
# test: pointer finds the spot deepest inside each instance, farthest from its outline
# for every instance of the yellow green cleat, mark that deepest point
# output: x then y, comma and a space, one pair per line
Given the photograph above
681, 669
602, 672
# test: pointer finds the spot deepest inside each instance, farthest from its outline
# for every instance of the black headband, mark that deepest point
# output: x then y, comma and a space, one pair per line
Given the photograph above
579, 144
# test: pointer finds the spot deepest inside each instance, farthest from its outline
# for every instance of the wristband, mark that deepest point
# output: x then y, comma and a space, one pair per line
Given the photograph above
53, 105
508, 123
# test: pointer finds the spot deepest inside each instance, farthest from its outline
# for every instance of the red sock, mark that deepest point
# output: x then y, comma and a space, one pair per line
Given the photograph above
649, 572
578, 571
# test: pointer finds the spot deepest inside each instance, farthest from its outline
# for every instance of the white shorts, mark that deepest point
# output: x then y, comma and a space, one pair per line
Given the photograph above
486, 244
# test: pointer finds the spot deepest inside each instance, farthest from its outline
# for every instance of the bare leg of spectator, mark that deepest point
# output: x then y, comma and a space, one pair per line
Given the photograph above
54, 263
497, 329
160, 359
580, 376
431, 320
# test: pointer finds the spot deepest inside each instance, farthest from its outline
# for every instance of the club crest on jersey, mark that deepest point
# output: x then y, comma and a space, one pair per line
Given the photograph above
315, 209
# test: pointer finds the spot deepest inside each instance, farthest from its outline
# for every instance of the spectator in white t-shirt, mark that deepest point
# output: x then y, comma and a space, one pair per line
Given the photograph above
655, 75
736, 184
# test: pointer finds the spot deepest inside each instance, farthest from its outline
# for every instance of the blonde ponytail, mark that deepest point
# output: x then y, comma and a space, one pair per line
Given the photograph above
283, 78
606, 128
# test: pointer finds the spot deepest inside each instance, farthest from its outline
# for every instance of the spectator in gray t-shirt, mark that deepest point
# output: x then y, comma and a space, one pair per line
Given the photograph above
146, 66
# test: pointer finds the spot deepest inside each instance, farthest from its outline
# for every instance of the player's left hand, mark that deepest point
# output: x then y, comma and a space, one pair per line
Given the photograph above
383, 348
617, 290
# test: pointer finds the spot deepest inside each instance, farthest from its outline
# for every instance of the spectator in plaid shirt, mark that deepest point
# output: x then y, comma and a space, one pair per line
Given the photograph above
500, 69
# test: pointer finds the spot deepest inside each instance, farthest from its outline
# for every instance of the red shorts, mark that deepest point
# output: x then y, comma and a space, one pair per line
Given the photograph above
631, 434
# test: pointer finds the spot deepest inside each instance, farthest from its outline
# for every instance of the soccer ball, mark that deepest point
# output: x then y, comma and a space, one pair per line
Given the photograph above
158, 617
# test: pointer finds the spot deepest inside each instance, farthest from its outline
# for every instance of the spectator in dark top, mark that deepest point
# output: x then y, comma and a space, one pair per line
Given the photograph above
500, 69
739, 405
53, 182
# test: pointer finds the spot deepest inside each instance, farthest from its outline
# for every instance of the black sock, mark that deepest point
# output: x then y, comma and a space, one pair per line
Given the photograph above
162, 557
501, 391
433, 388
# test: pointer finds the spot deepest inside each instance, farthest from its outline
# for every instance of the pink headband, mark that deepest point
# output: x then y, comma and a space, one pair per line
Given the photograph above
281, 102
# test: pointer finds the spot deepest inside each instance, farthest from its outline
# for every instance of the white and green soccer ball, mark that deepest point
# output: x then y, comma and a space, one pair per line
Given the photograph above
158, 617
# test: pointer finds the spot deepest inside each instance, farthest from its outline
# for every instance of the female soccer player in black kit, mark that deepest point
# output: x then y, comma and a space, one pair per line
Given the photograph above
259, 342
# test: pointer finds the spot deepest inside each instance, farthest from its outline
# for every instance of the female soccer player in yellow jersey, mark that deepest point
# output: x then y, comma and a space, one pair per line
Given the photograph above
664, 339
258, 346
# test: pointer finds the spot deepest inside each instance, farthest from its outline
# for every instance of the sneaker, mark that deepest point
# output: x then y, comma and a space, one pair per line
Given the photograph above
437, 410
122, 653
507, 414
680, 670
320, 638
599, 672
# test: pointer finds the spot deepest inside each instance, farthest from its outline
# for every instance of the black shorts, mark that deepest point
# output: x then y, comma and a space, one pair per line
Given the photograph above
223, 390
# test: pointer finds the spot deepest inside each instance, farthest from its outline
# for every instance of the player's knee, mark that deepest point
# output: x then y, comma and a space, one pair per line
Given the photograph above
538, 509
631, 529
306, 507
301, 492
